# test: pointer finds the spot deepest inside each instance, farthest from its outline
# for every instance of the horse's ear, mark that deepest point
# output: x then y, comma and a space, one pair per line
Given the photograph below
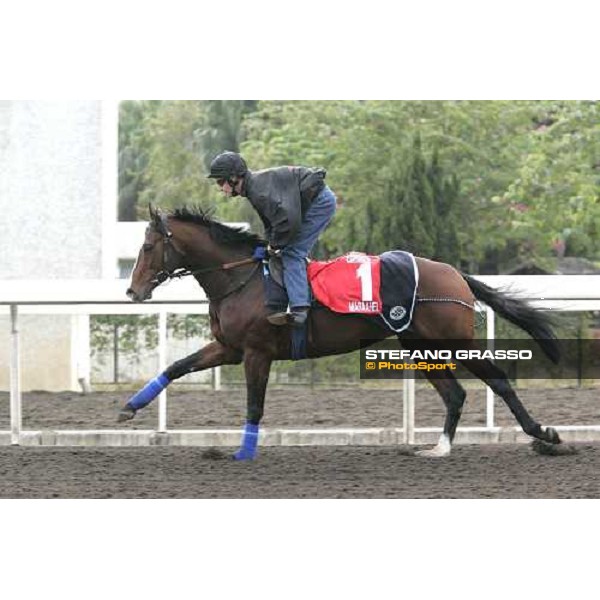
155, 214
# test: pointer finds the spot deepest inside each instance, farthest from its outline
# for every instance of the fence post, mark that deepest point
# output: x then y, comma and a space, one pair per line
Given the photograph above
216, 378
408, 405
491, 334
15, 378
162, 365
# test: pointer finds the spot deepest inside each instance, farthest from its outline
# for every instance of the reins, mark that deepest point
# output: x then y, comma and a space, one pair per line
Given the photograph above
225, 267
163, 275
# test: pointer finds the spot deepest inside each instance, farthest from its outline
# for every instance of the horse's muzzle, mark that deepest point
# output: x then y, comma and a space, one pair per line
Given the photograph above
136, 297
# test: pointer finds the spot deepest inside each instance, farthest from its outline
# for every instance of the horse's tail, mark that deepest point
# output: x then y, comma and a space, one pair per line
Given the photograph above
536, 323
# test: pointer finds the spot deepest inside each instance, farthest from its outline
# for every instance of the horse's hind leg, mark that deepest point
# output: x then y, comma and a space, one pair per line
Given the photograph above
493, 376
453, 395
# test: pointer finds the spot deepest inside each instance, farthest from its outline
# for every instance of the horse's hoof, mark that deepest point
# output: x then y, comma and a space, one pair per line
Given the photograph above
242, 455
435, 452
440, 450
551, 435
127, 413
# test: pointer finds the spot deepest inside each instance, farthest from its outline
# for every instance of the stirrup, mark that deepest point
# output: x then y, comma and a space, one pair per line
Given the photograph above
295, 318
279, 318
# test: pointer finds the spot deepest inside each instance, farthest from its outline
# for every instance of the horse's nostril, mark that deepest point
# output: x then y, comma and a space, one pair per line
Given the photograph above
138, 297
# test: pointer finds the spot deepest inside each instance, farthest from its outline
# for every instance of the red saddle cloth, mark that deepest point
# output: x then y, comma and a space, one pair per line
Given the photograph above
348, 284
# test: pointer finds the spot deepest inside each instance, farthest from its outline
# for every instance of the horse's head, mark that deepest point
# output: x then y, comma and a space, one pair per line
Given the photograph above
157, 259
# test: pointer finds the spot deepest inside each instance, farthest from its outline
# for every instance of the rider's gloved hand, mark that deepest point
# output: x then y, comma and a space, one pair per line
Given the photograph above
260, 253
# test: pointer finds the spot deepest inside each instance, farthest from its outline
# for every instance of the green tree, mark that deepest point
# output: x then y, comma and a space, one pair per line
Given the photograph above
554, 196
447, 208
417, 211
133, 155
165, 149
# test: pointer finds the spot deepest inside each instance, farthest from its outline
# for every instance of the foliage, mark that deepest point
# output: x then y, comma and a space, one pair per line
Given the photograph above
186, 326
553, 199
166, 148
133, 157
132, 335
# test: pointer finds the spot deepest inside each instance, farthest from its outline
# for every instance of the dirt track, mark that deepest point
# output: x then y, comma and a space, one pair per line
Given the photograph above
493, 471
295, 407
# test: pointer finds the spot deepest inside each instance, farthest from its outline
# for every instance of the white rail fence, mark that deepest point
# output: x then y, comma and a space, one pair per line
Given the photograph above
549, 292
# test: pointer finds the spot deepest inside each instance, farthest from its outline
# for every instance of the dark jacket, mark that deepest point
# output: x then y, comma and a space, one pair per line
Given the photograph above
281, 196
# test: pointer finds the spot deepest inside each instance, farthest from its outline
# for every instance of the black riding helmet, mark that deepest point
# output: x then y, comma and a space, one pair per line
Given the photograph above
227, 165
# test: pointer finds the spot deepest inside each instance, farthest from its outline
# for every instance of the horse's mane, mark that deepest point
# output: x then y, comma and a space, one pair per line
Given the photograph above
219, 232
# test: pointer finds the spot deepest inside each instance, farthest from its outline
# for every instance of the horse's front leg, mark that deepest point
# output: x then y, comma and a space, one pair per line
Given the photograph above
257, 365
212, 355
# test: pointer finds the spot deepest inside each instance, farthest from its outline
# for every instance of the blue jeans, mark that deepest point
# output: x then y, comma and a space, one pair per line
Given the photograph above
294, 255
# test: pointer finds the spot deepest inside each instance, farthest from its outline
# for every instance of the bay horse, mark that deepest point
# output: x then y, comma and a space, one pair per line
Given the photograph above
190, 241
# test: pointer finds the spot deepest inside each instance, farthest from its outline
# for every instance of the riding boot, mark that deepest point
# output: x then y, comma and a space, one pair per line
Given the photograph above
296, 317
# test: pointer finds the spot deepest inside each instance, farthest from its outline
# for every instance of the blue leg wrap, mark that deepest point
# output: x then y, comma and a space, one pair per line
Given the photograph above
247, 450
152, 389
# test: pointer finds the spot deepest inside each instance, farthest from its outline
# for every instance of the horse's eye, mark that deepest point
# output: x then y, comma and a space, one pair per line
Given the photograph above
147, 247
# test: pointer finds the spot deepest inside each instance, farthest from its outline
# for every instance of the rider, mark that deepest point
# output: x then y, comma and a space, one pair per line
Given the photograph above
295, 206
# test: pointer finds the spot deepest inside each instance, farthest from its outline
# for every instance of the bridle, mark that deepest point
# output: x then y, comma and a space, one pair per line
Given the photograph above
165, 274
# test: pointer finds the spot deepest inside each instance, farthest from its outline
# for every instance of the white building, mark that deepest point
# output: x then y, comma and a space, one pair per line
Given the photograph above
58, 201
